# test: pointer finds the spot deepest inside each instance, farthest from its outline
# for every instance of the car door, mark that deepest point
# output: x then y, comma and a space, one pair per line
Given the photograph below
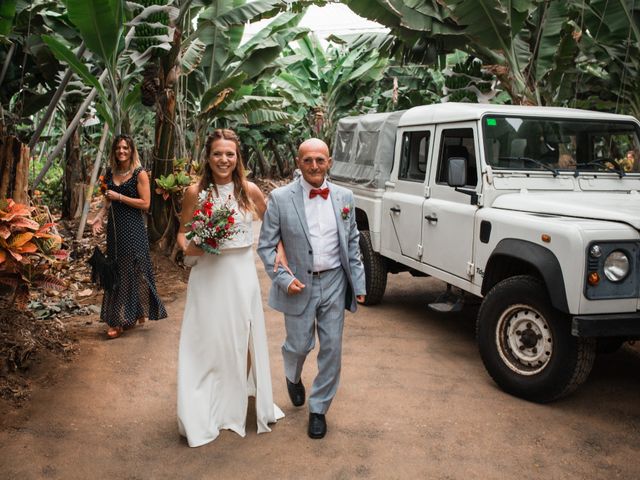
403, 199
448, 213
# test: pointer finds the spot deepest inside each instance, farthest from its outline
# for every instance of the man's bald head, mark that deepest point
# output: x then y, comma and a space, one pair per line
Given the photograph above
313, 144
314, 161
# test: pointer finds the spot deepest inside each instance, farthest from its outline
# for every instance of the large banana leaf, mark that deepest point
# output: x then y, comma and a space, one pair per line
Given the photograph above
192, 56
213, 92
293, 88
286, 22
255, 111
220, 42
378, 11
7, 12
253, 11
486, 21
551, 24
63, 53
382, 42
259, 59
614, 18
100, 23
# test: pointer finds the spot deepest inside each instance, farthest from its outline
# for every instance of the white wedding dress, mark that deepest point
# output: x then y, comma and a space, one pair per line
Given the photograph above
223, 320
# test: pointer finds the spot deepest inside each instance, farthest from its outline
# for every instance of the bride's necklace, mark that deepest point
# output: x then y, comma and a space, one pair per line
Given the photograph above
122, 174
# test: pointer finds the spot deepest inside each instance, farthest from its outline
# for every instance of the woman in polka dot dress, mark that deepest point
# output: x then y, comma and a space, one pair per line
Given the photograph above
127, 197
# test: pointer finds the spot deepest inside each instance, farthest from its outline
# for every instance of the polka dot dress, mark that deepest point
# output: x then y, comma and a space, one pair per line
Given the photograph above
136, 295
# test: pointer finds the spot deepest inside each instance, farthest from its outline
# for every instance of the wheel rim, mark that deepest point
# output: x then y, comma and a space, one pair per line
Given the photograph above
524, 339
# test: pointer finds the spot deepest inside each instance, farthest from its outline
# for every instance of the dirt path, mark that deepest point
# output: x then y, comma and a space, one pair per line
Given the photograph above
414, 402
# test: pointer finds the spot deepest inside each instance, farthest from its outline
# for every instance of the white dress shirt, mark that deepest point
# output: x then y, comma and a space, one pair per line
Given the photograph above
323, 229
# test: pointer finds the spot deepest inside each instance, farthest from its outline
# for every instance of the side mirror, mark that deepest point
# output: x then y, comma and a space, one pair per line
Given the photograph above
457, 171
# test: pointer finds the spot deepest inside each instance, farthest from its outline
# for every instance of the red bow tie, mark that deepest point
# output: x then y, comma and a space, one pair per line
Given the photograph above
323, 192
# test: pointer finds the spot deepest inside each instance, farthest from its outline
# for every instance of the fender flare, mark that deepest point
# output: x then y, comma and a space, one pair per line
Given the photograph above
540, 259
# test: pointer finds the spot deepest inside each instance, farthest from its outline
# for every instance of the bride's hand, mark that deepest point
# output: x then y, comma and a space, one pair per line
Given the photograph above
281, 259
193, 250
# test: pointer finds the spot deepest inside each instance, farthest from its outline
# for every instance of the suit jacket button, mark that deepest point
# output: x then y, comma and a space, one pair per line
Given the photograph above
310, 252
308, 271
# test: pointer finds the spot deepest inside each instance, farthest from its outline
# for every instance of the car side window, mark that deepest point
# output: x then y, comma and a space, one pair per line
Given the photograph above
413, 161
457, 142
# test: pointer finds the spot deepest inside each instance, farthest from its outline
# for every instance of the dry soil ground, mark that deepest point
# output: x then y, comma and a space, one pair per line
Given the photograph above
414, 402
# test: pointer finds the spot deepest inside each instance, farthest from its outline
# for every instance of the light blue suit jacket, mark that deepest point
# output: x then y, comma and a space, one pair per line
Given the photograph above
285, 219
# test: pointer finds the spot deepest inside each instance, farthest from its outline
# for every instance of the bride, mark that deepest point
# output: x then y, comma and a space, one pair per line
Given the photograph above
223, 356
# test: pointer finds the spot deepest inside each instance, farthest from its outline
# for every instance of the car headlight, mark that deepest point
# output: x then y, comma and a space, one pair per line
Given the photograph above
616, 266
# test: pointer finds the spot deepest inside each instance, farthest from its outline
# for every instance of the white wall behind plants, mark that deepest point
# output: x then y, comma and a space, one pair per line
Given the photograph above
331, 19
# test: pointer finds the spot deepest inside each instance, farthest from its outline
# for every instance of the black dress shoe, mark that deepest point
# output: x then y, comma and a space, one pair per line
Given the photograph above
317, 425
296, 392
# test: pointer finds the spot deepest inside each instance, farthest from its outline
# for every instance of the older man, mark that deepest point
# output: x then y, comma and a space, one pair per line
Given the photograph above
316, 222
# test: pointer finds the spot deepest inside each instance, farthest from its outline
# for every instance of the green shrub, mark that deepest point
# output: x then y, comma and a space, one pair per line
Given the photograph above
50, 188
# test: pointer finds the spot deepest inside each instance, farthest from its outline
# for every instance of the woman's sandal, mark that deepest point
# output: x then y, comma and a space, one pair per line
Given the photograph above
114, 332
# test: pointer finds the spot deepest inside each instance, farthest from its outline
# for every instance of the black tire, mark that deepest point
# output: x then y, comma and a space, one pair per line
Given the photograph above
515, 321
375, 270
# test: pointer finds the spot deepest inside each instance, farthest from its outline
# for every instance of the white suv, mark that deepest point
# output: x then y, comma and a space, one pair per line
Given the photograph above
535, 209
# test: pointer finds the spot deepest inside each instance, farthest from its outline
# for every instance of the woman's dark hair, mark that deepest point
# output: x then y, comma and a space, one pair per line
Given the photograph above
238, 175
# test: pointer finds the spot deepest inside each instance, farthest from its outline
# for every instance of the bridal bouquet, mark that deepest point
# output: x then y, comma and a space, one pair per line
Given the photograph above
212, 222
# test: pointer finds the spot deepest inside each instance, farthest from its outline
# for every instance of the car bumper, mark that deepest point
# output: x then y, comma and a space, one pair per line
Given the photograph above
606, 325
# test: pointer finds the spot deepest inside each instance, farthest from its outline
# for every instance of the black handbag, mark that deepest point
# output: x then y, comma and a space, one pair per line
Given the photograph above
104, 270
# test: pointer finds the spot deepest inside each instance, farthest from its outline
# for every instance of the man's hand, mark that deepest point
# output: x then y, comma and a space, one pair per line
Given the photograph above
295, 287
360, 298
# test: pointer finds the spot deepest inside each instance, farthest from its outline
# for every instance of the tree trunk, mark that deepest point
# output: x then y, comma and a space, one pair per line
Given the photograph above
164, 147
282, 166
74, 175
262, 162
14, 169
293, 151
92, 181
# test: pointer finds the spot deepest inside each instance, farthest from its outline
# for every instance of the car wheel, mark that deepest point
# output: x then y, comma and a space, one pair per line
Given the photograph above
526, 345
375, 270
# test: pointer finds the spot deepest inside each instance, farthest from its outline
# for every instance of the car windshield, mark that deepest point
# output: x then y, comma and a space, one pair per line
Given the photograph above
558, 145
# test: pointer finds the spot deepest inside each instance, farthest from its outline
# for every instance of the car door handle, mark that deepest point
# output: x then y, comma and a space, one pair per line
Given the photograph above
395, 209
431, 218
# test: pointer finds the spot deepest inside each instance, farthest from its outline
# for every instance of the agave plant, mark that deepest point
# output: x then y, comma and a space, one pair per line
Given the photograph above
28, 249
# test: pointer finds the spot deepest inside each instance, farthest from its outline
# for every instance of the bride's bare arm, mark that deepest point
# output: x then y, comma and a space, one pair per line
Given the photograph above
189, 202
261, 206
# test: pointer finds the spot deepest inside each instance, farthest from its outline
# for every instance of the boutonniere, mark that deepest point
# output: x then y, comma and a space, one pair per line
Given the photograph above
345, 212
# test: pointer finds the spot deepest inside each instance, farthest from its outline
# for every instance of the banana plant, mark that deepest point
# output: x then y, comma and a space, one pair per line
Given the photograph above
526, 41
224, 86
608, 36
27, 68
102, 25
215, 75
328, 83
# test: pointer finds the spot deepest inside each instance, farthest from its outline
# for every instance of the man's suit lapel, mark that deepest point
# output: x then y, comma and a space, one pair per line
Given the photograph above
337, 202
297, 199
